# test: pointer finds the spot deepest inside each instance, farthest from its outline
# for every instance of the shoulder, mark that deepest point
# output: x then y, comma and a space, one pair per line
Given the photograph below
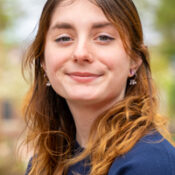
151, 155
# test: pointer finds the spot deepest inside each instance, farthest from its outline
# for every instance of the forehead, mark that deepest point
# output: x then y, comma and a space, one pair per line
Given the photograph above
64, 3
79, 11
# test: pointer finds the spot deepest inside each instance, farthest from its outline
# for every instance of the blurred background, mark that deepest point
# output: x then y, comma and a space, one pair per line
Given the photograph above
18, 26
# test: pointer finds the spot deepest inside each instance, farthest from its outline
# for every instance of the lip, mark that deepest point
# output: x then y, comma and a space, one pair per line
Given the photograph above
83, 77
83, 74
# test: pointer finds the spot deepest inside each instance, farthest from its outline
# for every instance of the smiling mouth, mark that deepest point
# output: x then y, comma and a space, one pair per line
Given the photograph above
83, 77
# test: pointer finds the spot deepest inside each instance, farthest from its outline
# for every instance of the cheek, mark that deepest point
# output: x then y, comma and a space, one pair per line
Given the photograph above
116, 59
54, 58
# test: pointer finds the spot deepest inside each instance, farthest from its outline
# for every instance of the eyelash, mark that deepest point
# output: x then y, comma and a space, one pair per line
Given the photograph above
103, 38
63, 39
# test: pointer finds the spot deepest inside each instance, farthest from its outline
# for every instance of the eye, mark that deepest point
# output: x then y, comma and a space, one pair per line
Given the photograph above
105, 38
63, 39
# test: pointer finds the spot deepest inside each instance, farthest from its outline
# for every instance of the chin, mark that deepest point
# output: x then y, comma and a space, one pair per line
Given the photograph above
82, 97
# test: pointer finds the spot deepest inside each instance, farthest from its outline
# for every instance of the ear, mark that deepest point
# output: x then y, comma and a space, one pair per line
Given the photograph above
134, 66
43, 66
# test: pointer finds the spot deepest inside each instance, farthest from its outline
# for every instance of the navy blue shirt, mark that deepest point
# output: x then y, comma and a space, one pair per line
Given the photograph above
152, 155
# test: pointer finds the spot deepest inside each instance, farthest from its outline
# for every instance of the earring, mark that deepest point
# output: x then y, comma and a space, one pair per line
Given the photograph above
132, 80
48, 83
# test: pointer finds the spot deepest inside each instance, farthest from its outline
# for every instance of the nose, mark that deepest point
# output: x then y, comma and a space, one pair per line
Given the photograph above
81, 53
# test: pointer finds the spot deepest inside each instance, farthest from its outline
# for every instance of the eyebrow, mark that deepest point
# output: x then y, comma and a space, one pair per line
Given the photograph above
69, 26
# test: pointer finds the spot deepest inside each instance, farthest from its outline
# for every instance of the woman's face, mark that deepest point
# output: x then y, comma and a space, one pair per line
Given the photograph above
85, 60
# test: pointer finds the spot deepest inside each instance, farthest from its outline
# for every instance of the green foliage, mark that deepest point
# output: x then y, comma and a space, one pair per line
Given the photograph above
9, 11
165, 22
163, 75
171, 98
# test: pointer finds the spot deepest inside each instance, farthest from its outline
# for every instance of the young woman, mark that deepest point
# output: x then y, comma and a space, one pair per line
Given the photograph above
92, 107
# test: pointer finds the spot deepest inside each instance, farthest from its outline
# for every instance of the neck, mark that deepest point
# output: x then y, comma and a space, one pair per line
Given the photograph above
84, 117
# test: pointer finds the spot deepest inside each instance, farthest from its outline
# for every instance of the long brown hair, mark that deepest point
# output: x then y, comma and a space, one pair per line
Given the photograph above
50, 125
